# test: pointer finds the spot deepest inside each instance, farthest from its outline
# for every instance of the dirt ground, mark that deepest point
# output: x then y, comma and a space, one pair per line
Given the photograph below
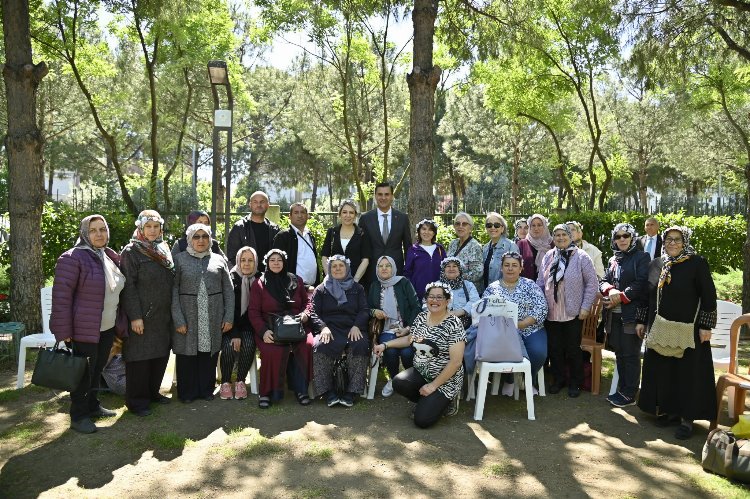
575, 448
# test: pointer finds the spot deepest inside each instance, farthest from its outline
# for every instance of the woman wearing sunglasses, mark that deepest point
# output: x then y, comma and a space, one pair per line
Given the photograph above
467, 249
625, 290
202, 310
496, 247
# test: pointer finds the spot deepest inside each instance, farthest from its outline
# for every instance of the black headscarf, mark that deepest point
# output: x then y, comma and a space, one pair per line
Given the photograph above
281, 285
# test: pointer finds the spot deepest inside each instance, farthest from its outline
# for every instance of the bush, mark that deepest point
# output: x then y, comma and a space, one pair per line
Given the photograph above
729, 286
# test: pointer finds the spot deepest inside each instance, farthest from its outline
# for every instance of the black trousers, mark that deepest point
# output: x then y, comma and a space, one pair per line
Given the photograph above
84, 400
429, 409
142, 382
244, 357
564, 347
196, 375
627, 347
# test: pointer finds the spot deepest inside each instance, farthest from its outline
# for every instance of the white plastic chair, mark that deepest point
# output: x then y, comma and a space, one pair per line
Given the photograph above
38, 340
523, 367
726, 313
518, 379
373, 377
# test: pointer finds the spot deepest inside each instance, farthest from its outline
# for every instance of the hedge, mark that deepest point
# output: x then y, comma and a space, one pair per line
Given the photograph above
719, 239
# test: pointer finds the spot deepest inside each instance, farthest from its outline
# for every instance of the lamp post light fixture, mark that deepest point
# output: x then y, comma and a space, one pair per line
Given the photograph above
218, 75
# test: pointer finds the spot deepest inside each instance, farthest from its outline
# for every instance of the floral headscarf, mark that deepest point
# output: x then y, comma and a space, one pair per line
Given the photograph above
458, 282
157, 249
541, 244
669, 261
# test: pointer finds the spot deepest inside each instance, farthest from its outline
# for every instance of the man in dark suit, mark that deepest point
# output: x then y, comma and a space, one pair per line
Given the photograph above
299, 244
389, 230
651, 243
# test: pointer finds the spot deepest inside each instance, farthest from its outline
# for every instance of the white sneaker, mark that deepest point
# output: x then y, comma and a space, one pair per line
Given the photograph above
508, 389
388, 389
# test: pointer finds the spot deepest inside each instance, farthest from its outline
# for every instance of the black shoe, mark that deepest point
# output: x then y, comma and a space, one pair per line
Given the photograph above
83, 426
142, 412
332, 399
186, 401
101, 412
664, 420
347, 400
555, 388
683, 432
574, 392
163, 400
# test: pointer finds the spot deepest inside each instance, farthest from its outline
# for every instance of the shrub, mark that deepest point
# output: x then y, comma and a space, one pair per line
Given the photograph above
729, 286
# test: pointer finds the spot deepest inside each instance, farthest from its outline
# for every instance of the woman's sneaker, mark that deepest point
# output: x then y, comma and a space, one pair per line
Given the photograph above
332, 399
347, 400
240, 390
452, 409
620, 400
388, 389
225, 392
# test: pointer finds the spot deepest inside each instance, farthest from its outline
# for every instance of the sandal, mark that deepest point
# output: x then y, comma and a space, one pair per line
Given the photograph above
303, 399
264, 402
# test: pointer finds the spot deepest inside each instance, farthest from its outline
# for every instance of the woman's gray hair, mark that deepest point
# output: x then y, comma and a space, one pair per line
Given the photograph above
464, 215
499, 217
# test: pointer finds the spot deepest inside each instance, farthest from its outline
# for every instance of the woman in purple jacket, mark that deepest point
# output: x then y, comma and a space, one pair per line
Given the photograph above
424, 257
85, 306
569, 282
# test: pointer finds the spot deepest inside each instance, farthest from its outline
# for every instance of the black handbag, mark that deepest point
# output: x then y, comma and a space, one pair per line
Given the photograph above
287, 328
59, 369
341, 376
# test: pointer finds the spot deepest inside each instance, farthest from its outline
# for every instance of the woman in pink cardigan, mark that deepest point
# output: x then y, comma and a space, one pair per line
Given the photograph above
569, 282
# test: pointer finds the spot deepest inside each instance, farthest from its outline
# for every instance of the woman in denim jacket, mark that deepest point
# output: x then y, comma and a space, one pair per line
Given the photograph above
495, 248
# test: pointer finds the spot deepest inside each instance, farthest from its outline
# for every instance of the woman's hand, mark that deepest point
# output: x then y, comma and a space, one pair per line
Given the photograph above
236, 342
181, 329
378, 349
268, 336
615, 298
137, 326
379, 314
325, 336
583, 314
640, 330
427, 389
226, 326
355, 334
704, 335
402, 332
303, 317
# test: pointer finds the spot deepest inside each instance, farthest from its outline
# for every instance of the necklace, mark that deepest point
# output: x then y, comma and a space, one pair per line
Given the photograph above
509, 285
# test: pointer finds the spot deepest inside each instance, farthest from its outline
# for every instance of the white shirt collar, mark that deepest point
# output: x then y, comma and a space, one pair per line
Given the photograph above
381, 213
302, 233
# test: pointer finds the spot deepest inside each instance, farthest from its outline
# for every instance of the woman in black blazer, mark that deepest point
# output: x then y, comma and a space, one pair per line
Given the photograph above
349, 240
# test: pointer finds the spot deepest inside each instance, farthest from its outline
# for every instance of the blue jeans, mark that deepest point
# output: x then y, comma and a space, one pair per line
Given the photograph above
536, 347
392, 356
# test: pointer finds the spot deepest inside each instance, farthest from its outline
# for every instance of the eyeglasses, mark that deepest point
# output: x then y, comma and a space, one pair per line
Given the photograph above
672, 240
436, 297
198, 237
496, 225
461, 224
621, 236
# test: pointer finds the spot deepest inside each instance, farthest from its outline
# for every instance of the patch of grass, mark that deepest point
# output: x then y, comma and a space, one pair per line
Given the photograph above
43, 408
24, 433
718, 486
168, 440
312, 493
320, 453
262, 446
503, 468
9, 395
240, 431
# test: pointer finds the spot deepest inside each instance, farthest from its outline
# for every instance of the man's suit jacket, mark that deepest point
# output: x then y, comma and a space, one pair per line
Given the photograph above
288, 241
399, 239
657, 250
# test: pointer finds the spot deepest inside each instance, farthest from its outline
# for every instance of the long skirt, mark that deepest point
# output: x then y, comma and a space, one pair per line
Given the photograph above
277, 362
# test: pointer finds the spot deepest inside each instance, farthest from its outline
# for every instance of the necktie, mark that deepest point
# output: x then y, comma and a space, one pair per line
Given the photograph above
487, 265
386, 231
649, 245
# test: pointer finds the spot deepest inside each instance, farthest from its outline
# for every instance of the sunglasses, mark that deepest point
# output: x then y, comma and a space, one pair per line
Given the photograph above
495, 225
621, 236
460, 224
198, 237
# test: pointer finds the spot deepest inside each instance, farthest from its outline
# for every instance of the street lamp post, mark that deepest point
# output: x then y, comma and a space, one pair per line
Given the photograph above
218, 74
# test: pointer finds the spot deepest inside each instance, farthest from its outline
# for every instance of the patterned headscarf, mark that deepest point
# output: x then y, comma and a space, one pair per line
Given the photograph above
338, 287
624, 227
560, 263
543, 243
458, 282
669, 261
157, 250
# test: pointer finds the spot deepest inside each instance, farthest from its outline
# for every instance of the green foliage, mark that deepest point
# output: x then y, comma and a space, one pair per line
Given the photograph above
729, 286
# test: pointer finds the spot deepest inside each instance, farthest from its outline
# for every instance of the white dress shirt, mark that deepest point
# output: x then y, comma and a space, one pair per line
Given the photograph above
381, 219
307, 264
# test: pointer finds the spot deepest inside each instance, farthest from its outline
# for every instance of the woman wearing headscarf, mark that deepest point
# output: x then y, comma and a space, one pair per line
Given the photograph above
196, 217
239, 344
279, 291
625, 290
202, 310
147, 298
680, 390
85, 313
467, 249
341, 307
423, 257
392, 298
496, 247
569, 282
520, 229
463, 297
535, 245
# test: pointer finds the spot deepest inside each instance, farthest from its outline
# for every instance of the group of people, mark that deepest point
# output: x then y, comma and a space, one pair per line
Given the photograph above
198, 302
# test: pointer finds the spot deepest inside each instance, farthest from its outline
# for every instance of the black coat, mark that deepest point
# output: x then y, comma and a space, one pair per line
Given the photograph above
242, 234
633, 282
288, 241
399, 239
642, 245
358, 249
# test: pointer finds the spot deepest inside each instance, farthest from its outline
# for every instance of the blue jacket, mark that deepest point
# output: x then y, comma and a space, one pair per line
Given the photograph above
503, 245
633, 282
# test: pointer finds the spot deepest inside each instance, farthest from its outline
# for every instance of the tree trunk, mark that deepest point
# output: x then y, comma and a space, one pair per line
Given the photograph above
180, 138
422, 82
746, 246
24, 145
316, 174
514, 177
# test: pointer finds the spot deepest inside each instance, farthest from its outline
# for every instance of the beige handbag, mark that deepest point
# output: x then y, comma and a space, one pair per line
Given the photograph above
670, 338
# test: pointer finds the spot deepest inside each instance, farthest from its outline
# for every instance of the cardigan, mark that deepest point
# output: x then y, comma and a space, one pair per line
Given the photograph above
406, 300
581, 283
